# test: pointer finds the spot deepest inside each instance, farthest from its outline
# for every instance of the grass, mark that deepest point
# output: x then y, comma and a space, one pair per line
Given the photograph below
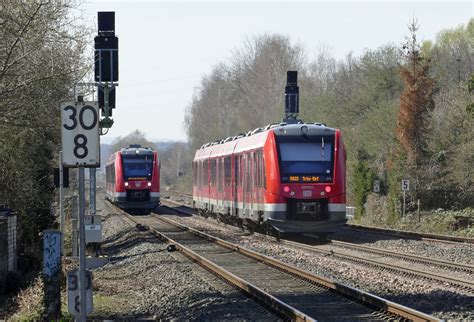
438, 221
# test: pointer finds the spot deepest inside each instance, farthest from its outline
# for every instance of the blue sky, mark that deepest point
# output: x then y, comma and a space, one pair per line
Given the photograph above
166, 47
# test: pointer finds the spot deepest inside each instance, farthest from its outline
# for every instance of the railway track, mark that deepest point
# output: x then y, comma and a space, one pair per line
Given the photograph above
373, 257
295, 294
463, 284
410, 234
382, 231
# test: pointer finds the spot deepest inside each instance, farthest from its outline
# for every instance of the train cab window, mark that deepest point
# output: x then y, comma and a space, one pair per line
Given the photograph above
306, 159
137, 166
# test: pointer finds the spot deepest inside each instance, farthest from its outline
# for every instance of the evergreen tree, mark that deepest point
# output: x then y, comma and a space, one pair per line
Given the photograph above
416, 103
416, 100
363, 181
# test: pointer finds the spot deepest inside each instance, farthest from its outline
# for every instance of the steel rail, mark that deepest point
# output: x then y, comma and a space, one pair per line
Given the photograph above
466, 284
248, 288
411, 234
387, 231
408, 257
349, 292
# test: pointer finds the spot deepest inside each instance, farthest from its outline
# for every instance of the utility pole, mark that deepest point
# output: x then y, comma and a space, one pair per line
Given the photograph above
82, 245
92, 191
81, 122
61, 197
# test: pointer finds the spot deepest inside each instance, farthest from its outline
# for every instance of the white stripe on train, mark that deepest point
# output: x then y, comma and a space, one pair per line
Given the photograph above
270, 207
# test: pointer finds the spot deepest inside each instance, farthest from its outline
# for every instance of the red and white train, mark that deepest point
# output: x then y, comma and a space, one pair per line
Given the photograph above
133, 178
289, 176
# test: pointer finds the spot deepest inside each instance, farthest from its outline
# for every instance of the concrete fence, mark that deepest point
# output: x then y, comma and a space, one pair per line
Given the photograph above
8, 245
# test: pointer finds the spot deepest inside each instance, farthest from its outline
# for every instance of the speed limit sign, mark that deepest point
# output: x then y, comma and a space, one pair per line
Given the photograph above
80, 134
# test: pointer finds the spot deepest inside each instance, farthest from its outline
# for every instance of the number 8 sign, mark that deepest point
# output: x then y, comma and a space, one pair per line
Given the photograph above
80, 134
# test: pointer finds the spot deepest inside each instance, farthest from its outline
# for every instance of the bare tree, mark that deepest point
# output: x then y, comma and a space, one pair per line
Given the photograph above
136, 137
41, 57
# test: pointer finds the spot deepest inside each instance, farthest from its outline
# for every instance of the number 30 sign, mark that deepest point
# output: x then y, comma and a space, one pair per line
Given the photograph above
80, 134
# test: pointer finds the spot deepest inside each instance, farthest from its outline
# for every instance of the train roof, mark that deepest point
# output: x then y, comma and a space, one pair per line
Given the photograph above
133, 149
256, 138
276, 126
136, 149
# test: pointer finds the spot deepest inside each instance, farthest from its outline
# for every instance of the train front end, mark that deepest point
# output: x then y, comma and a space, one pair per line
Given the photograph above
306, 190
138, 178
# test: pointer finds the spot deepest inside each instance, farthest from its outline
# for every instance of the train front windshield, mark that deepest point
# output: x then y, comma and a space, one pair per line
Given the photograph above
306, 159
138, 167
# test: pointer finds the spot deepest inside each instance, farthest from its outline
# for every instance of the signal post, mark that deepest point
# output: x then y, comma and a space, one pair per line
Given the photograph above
81, 124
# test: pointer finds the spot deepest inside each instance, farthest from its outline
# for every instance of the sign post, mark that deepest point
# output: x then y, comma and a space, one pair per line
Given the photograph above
73, 293
376, 186
61, 196
51, 269
80, 134
80, 141
405, 188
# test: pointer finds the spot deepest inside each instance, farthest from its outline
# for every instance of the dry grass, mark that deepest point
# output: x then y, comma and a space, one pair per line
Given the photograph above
30, 302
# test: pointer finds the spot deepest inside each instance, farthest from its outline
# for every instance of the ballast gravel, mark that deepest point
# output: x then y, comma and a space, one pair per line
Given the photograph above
144, 281
459, 252
442, 301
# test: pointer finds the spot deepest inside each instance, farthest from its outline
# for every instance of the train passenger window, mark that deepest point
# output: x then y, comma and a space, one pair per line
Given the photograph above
258, 170
248, 173
236, 169
227, 171
203, 173
254, 168
113, 173
213, 172
220, 178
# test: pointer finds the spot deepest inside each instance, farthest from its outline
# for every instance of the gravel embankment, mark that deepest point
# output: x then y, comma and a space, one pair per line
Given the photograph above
460, 253
143, 280
443, 301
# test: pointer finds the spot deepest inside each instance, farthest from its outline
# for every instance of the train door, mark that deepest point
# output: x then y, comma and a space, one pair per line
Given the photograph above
244, 181
248, 183
252, 195
228, 201
258, 178
207, 182
220, 188
235, 184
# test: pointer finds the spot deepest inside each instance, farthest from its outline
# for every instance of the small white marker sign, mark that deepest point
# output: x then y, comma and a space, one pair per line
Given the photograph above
405, 185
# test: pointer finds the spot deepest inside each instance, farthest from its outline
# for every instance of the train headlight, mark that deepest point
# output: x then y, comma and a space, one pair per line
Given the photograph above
149, 184
126, 184
286, 189
328, 189
304, 129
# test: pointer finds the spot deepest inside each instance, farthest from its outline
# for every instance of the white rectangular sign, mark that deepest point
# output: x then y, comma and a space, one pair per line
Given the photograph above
80, 134
405, 185
74, 293
376, 185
